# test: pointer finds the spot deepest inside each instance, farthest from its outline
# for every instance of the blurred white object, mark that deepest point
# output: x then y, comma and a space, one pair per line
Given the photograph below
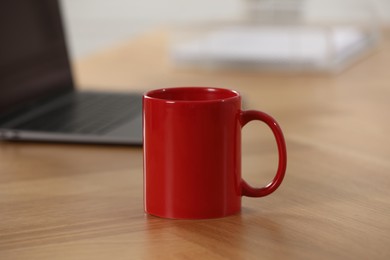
281, 35
275, 48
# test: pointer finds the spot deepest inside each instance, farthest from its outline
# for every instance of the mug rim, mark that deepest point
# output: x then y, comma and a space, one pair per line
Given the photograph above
151, 95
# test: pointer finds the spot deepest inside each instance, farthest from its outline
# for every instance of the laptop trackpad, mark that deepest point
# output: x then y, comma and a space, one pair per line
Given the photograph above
131, 129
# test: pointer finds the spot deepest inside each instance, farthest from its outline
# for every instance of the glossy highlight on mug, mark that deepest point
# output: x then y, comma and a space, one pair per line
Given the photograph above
192, 94
192, 152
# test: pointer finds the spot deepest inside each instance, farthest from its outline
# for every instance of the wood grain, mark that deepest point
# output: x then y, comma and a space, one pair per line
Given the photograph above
85, 202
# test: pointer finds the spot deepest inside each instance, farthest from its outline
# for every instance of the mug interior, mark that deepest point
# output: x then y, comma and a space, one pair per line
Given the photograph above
192, 94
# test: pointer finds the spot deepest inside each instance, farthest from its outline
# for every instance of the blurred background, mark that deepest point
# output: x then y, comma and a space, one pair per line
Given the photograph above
96, 24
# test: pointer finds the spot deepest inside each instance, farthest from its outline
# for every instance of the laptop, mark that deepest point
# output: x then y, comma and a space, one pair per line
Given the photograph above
38, 98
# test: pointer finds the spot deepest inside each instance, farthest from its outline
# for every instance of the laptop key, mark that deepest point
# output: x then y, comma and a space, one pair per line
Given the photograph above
86, 113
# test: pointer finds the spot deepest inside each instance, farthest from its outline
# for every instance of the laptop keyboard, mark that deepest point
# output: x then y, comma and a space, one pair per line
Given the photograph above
86, 113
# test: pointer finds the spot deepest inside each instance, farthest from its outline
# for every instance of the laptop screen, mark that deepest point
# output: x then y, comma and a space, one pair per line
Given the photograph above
33, 56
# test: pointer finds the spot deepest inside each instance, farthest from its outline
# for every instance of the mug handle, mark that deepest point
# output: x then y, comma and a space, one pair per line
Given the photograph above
246, 189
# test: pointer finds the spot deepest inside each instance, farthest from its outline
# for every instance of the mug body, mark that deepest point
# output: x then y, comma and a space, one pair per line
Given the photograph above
192, 152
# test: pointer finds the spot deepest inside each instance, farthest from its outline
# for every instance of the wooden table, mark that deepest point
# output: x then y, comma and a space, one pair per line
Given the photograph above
85, 202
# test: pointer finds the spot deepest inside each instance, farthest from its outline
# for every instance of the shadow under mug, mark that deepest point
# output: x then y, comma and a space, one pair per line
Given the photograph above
192, 152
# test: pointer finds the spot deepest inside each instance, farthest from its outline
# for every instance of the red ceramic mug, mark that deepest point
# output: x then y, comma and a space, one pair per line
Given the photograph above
192, 152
